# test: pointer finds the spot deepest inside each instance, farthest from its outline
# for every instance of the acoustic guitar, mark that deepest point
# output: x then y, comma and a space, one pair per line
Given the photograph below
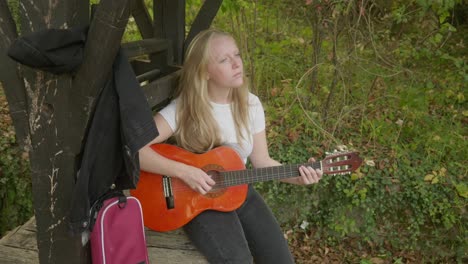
168, 203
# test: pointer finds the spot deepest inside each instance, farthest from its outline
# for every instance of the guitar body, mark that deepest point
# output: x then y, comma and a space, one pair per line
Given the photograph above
187, 203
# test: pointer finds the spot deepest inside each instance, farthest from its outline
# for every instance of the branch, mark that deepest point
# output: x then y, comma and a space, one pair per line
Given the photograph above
13, 85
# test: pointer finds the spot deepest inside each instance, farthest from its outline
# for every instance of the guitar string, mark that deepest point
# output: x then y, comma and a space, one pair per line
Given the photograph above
239, 177
232, 178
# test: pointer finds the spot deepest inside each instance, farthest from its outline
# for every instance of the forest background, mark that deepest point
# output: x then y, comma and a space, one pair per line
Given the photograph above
385, 78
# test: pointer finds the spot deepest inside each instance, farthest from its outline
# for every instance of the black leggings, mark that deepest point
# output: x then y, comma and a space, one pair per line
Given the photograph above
250, 233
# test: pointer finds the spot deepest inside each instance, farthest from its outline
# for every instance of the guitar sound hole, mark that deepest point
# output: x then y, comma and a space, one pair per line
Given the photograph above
219, 188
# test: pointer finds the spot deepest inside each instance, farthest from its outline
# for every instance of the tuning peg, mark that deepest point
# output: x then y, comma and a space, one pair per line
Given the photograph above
342, 147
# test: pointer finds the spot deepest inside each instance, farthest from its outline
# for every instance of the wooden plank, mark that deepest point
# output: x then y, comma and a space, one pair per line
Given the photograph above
30, 225
148, 76
160, 90
172, 256
169, 23
158, 56
142, 18
146, 46
19, 246
13, 255
176, 239
8, 235
203, 19
20, 238
172, 247
141, 65
106, 30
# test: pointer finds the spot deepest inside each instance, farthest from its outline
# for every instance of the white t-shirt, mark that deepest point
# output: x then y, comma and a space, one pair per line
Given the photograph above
223, 115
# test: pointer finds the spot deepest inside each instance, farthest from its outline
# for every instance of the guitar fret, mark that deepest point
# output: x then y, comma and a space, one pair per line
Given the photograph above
248, 176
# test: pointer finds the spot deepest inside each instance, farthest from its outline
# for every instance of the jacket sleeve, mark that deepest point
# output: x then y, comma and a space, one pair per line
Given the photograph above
137, 125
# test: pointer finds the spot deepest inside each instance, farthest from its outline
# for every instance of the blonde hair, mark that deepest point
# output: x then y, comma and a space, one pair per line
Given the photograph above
197, 129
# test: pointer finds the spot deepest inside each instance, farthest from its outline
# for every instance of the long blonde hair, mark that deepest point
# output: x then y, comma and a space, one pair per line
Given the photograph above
197, 129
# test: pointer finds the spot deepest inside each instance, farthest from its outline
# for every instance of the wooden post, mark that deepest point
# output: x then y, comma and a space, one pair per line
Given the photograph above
10, 77
54, 110
169, 23
52, 162
142, 18
103, 43
203, 20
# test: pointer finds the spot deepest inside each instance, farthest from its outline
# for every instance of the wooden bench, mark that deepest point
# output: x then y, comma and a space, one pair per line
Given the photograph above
20, 246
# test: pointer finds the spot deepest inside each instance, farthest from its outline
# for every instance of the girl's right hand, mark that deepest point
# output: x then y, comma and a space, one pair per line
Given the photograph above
197, 179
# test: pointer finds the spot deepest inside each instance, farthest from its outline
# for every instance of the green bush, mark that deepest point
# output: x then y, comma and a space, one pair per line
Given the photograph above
400, 100
15, 182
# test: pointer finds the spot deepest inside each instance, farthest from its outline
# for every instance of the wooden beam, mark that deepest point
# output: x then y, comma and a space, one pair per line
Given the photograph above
106, 30
13, 85
203, 19
169, 23
160, 91
142, 18
146, 47
149, 76
141, 66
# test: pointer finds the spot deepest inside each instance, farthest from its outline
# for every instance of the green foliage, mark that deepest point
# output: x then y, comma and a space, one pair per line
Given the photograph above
400, 99
15, 181
131, 32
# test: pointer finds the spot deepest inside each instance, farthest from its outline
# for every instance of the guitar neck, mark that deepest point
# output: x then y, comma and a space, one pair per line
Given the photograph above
232, 178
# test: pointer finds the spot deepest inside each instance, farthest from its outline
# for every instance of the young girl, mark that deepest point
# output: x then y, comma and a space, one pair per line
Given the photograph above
213, 107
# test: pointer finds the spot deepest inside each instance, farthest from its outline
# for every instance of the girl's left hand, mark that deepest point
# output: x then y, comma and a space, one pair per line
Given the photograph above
309, 175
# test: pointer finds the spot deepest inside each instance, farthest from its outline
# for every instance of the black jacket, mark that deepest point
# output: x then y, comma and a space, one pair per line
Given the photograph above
121, 124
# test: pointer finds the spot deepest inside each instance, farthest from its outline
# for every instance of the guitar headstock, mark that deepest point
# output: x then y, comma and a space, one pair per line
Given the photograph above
339, 163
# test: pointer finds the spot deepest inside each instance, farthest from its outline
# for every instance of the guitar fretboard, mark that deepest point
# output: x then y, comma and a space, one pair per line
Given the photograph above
232, 178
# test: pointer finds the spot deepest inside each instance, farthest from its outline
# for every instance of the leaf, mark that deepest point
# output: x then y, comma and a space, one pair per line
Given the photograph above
356, 175
293, 135
460, 97
429, 177
462, 190
377, 260
443, 172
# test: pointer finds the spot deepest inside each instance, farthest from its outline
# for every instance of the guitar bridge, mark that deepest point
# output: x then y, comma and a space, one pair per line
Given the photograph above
168, 194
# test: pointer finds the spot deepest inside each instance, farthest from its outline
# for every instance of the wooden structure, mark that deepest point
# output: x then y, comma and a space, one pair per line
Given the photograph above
50, 112
20, 247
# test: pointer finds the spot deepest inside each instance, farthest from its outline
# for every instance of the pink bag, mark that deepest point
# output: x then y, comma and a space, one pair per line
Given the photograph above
118, 235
